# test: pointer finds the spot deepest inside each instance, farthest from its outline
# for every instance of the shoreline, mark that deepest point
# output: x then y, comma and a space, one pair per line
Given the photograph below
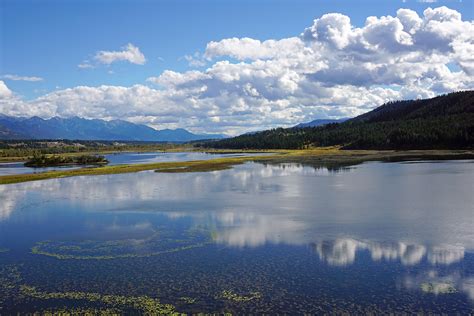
329, 157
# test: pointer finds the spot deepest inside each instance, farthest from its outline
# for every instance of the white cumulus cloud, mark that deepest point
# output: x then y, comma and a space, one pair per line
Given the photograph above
129, 53
5, 92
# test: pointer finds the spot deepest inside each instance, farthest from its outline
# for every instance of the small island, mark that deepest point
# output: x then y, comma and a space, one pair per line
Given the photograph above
55, 160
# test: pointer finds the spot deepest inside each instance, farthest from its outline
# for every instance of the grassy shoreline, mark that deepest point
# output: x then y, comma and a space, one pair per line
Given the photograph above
321, 156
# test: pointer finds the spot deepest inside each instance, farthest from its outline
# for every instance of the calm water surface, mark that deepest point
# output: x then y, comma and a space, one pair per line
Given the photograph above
10, 168
257, 238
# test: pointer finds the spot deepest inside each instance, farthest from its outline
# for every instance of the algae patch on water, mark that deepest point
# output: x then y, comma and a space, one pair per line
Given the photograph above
438, 288
14, 290
78, 311
234, 297
10, 278
187, 300
146, 304
159, 243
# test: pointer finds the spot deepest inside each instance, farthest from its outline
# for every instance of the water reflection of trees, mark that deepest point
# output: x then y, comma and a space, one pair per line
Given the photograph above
317, 165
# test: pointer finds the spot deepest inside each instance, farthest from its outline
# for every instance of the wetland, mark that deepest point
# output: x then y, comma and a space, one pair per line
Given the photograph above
261, 236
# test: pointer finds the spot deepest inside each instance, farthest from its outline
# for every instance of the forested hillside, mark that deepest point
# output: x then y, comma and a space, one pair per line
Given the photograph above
445, 121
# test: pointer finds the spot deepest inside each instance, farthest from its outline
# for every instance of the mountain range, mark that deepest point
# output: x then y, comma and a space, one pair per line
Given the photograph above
84, 129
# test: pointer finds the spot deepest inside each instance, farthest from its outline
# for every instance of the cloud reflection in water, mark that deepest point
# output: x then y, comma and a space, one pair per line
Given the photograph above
343, 251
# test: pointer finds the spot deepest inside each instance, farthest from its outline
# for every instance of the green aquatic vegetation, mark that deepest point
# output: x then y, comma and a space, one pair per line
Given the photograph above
187, 300
63, 248
10, 279
38, 251
76, 311
146, 304
12, 287
159, 243
232, 296
438, 287
200, 230
214, 235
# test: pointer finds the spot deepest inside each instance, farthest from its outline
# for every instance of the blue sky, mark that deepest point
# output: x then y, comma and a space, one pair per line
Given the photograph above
49, 39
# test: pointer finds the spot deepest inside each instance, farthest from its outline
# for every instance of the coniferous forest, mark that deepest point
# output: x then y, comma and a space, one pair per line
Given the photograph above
443, 122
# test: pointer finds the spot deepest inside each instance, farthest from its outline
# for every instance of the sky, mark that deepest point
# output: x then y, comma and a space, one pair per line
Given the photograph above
229, 66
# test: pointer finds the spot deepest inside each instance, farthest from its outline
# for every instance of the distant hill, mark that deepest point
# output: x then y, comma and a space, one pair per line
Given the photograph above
445, 121
84, 129
320, 122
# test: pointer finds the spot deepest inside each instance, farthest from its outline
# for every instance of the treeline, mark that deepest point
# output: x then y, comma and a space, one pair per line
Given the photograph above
443, 122
29, 148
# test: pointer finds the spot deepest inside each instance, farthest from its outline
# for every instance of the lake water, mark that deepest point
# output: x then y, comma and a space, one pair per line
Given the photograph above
10, 168
257, 238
